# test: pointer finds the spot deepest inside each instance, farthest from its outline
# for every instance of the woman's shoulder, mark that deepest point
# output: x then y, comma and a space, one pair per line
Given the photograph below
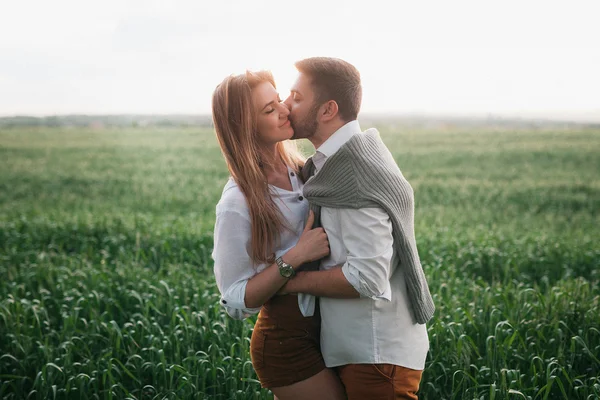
232, 199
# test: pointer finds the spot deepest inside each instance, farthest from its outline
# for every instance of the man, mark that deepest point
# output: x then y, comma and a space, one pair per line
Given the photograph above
374, 298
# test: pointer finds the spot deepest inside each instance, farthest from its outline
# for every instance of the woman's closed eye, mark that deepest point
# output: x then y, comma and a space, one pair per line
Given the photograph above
271, 109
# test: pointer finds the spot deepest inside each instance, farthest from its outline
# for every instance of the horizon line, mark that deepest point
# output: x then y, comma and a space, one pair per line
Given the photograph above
584, 116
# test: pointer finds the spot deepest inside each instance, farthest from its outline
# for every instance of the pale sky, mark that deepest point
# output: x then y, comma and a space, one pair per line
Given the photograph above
431, 57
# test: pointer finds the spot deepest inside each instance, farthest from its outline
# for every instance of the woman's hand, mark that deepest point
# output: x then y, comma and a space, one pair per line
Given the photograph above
312, 245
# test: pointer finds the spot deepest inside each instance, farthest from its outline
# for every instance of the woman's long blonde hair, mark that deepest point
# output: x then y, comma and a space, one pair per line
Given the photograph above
234, 117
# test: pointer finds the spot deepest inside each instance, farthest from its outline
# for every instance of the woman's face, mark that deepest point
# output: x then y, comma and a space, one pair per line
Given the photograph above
272, 115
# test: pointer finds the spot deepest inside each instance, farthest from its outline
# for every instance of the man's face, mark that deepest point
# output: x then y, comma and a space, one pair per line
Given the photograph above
303, 109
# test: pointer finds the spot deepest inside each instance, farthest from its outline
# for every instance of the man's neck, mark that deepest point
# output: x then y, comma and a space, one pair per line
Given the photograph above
325, 132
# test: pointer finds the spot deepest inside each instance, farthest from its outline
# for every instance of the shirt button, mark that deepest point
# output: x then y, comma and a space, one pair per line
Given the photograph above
300, 198
292, 174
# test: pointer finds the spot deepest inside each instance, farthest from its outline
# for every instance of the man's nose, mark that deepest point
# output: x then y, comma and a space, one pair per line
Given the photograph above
288, 102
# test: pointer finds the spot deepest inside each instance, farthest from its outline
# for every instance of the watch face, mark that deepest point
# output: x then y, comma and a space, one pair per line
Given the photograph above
286, 271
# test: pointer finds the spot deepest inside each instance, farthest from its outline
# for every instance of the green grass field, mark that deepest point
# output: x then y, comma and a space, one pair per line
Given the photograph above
107, 291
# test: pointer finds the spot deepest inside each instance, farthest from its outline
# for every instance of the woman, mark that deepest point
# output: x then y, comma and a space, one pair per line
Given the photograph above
263, 234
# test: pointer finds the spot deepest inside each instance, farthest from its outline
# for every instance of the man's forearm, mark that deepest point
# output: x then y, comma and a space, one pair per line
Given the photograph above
330, 283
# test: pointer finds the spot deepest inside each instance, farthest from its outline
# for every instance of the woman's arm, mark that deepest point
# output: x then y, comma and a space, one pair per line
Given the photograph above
243, 290
262, 286
233, 266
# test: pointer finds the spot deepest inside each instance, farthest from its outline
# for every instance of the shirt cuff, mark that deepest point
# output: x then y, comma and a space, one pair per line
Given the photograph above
357, 281
306, 302
233, 301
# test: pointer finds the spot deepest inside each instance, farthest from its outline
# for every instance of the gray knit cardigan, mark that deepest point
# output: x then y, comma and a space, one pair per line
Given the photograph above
363, 173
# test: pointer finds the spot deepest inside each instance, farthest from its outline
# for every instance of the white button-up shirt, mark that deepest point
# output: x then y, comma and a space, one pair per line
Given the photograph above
377, 327
232, 243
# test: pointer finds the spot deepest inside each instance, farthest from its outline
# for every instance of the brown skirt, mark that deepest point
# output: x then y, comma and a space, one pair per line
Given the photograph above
285, 346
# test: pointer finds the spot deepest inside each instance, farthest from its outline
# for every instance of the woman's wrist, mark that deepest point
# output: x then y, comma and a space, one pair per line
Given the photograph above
293, 258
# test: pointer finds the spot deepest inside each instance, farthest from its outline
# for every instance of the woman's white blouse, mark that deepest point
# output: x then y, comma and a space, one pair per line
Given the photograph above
232, 245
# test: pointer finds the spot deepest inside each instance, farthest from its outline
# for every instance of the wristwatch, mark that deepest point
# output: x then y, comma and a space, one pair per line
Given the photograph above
285, 269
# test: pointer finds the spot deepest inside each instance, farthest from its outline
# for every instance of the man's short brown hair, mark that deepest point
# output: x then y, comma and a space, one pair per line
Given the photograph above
334, 79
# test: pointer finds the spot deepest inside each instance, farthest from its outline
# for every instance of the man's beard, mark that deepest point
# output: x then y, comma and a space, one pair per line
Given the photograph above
308, 126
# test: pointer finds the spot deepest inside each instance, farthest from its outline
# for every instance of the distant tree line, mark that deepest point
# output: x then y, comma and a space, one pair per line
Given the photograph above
204, 120
99, 121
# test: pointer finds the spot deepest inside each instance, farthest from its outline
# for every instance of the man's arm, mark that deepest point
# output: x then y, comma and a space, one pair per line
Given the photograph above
330, 283
366, 234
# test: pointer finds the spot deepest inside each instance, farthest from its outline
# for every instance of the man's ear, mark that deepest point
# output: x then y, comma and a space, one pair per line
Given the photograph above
329, 111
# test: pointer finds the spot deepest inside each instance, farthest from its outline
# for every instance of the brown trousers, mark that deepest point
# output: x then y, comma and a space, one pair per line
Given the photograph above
379, 381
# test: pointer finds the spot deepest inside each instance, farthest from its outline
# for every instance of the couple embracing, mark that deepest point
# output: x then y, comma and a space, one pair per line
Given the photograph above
323, 249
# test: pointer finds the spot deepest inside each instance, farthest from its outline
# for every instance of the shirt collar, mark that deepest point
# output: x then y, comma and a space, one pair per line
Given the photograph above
335, 141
